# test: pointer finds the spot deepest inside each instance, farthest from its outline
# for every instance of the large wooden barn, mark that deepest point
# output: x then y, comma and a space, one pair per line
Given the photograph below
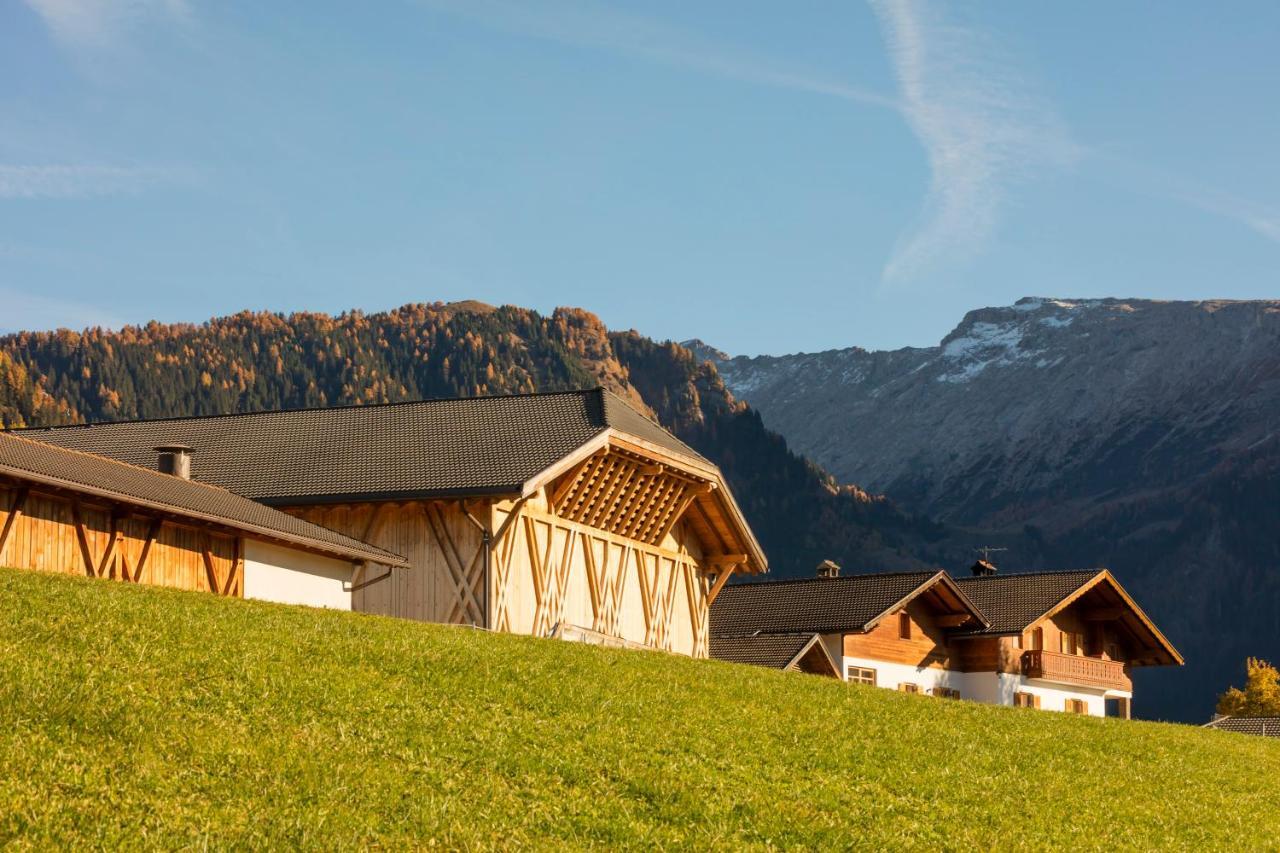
81, 514
567, 514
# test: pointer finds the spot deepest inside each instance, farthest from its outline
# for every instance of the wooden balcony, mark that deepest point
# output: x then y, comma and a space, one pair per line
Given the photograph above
1074, 669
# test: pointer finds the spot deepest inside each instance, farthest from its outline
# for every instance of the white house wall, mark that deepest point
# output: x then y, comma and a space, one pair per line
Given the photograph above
994, 688
289, 576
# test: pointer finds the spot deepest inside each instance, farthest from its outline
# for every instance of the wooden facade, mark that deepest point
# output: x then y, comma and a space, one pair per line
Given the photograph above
1101, 661
58, 530
621, 542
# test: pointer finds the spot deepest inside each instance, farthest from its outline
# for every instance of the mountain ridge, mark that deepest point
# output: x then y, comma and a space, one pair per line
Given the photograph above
1136, 434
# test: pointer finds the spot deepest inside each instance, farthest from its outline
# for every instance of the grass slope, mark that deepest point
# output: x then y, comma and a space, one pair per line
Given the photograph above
164, 718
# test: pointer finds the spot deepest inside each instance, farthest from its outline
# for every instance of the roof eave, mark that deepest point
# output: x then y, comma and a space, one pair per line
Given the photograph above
352, 554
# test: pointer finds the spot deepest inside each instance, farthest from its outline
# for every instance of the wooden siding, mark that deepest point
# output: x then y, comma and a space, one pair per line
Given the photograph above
444, 547
987, 654
62, 533
927, 646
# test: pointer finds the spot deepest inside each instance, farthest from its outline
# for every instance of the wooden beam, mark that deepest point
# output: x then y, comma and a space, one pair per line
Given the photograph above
15, 512
953, 620
152, 532
106, 567
721, 580
83, 538
237, 560
570, 480
726, 559
1103, 614
206, 551
453, 560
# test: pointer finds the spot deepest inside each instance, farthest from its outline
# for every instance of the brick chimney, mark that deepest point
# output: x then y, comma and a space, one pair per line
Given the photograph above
175, 459
828, 569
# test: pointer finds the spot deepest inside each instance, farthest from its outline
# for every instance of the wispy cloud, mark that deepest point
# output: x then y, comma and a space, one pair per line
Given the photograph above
31, 312
598, 27
983, 128
80, 181
101, 23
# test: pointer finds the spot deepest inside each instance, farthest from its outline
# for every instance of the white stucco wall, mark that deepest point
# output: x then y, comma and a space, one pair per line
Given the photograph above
995, 688
275, 573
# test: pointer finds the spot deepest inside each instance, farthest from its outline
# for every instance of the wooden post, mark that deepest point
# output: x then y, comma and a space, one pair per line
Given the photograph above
15, 512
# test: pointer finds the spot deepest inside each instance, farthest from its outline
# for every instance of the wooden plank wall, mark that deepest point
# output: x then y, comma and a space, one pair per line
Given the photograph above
550, 571
62, 533
445, 580
927, 646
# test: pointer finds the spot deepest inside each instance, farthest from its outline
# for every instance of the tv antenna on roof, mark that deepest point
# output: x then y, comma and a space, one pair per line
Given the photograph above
986, 551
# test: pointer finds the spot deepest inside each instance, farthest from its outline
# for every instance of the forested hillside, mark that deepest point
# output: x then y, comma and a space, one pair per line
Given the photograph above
256, 361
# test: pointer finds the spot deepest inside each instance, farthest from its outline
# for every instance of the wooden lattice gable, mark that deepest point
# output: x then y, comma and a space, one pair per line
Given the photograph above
629, 487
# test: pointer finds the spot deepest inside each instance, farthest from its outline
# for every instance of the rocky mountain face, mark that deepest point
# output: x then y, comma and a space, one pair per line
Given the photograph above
1139, 435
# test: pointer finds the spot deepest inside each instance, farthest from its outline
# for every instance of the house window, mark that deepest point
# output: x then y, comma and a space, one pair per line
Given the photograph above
1076, 706
860, 675
1071, 643
904, 625
946, 693
908, 687
1017, 642
1037, 639
1025, 700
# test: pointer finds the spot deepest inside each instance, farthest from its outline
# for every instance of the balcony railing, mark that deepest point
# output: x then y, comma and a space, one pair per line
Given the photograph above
1074, 669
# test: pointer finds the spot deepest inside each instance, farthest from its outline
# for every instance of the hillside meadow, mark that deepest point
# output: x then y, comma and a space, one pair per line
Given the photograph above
139, 716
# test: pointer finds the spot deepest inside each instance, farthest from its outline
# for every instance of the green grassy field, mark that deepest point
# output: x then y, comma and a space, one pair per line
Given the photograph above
137, 716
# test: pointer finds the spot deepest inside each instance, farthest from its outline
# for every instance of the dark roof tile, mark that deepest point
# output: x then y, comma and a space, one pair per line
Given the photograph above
1262, 726
810, 605
27, 460
432, 448
771, 650
1011, 602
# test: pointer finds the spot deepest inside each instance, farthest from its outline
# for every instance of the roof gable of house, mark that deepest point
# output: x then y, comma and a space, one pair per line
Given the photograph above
35, 462
1015, 602
826, 605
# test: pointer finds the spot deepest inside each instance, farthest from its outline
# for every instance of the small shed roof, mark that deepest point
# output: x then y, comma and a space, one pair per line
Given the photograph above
1261, 726
776, 651
84, 473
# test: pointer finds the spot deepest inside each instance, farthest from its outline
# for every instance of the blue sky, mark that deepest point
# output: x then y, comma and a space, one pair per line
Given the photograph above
771, 177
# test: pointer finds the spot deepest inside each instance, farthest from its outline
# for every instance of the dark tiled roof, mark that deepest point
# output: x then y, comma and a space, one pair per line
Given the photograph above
810, 605
1263, 726
432, 448
771, 650
34, 461
1011, 602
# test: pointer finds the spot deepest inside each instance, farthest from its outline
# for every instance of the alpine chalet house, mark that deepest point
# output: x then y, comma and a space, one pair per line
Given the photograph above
76, 513
1064, 641
562, 514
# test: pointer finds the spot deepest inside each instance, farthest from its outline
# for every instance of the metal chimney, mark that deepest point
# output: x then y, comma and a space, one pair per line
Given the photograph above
175, 459
983, 569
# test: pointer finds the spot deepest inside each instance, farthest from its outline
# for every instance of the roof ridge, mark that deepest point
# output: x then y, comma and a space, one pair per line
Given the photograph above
1030, 573
788, 581
302, 409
